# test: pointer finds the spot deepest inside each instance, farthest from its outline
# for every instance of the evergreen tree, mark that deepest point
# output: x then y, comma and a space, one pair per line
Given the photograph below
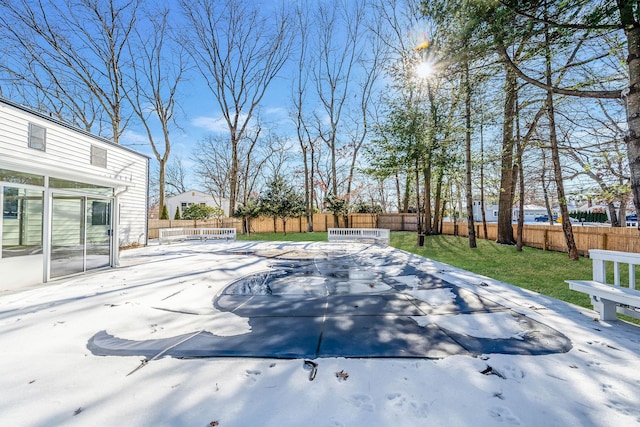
282, 201
198, 212
165, 212
247, 212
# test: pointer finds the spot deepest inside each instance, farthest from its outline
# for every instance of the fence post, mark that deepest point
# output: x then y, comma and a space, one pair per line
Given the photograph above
603, 242
545, 243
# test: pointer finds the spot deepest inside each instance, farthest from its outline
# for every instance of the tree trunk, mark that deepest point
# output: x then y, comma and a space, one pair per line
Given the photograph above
505, 201
468, 186
161, 181
428, 224
615, 222
482, 203
312, 194
519, 151
632, 138
407, 194
436, 227
555, 157
545, 190
419, 224
233, 178
401, 206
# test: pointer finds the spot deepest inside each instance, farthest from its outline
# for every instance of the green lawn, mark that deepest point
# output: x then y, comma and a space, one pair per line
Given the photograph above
533, 269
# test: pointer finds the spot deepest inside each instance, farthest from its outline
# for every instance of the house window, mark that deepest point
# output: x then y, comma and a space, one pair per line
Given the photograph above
98, 156
37, 137
183, 205
21, 177
22, 211
10, 203
100, 213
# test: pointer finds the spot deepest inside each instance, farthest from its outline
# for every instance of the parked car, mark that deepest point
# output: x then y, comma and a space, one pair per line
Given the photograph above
632, 217
545, 218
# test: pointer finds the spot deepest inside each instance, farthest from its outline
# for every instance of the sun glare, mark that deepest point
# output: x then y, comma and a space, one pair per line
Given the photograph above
424, 70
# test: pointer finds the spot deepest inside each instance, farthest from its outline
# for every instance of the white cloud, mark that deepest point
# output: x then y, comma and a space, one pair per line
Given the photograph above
130, 137
212, 124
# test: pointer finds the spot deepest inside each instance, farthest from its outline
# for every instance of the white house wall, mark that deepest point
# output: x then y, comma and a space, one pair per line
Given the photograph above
194, 197
67, 155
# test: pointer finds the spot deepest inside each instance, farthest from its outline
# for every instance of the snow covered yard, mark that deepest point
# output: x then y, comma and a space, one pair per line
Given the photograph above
50, 376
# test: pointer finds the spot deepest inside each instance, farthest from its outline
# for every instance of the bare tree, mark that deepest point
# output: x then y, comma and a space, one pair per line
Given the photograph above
363, 115
74, 48
156, 72
176, 177
299, 94
239, 50
212, 157
339, 26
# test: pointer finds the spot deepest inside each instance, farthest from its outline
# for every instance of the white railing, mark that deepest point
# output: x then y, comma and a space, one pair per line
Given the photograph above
378, 235
168, 235
618, 297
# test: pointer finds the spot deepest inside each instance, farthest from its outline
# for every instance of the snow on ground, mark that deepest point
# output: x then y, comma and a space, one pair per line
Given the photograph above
50, 378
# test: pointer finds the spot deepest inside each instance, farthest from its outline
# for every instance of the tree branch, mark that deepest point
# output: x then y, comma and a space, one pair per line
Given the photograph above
608, 94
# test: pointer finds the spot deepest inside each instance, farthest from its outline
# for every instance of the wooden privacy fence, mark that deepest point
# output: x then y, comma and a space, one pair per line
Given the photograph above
546, 237
321, 223
551, 237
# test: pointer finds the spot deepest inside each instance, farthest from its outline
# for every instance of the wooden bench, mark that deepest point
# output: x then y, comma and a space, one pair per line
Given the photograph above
376, 235
610, 299
168, 235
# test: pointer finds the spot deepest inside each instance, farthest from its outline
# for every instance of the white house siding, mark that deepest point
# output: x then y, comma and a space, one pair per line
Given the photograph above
195, 197
67, 156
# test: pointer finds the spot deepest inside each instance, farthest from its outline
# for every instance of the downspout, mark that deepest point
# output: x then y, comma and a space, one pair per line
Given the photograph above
115, 227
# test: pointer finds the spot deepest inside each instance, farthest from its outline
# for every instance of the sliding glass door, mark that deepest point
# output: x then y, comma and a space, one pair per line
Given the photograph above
80, 234
98, 237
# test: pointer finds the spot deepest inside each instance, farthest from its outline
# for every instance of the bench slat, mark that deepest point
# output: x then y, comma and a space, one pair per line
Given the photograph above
612, 293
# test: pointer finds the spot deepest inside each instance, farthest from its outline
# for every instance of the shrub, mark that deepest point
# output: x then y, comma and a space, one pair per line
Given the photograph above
198, 212
165, 213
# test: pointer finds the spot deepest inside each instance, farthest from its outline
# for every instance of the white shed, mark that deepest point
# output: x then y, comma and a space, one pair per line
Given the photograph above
69, 199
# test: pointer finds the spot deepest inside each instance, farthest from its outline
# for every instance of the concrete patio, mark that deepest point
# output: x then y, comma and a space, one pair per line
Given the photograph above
315, 334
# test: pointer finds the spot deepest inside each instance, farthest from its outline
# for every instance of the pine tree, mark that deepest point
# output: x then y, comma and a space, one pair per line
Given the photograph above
165, 212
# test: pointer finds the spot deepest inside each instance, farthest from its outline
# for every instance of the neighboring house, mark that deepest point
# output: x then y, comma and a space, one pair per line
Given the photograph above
490, 210
195, 197
70, 200
531, 212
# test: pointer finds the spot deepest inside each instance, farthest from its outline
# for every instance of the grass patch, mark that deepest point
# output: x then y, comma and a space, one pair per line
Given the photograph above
533, 269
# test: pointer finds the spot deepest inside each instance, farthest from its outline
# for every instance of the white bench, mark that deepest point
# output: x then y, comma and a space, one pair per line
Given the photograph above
609, 299
376, 235
168, 235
